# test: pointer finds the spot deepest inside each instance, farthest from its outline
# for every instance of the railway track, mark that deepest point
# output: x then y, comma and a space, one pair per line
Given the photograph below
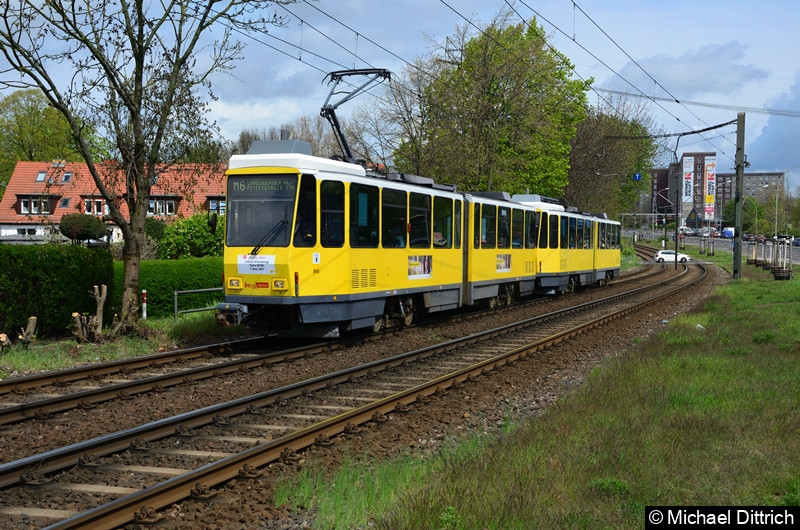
108, 480
41, 396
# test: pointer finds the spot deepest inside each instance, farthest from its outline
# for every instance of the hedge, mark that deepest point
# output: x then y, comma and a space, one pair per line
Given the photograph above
50, 282
162, 277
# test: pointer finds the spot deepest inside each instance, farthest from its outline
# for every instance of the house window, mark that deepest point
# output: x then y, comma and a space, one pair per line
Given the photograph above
40, 177
34, 205
161, 207
65, 202
216, 206
67, 176
94, 207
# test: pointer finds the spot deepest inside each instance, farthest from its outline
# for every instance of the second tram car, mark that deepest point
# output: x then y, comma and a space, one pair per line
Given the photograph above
316, 246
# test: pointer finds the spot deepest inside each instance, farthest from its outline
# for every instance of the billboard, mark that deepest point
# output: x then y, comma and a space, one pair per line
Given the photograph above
710, 183
688, 178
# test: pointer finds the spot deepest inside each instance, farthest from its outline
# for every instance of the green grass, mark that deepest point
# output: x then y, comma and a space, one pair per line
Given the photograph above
149, 336
705, 413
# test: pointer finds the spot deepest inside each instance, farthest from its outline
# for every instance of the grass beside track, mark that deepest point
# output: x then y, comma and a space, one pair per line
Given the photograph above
705, 413
149, 336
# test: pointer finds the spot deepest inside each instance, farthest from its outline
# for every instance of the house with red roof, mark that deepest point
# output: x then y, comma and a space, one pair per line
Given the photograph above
39, 194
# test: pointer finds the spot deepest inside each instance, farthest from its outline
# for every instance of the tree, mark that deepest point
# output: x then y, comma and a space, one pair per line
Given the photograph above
754, 218
82, 227
499, 113
389, 130
135, 76
615, 141
32, 130
308, 128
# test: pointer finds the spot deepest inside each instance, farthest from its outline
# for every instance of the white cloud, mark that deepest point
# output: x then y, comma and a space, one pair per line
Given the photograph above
233, 117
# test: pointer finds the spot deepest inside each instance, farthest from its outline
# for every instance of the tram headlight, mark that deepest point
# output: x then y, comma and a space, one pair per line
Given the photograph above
280, 284
234, 283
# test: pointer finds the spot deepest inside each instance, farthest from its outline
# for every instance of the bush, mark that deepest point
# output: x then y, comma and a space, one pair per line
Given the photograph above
50, 282
154, 228
161, 278
192, 238
81, 227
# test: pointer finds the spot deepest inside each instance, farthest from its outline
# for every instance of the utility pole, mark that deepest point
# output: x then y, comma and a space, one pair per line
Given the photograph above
737, 236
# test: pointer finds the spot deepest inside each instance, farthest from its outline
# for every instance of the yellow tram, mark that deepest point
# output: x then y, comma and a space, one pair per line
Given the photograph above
316, 246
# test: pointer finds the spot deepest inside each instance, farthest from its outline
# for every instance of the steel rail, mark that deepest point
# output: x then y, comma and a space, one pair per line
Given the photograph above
127, 508
87, 398
57, 459
25, 382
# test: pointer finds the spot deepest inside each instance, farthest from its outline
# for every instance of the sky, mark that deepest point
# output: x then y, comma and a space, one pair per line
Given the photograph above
716, 57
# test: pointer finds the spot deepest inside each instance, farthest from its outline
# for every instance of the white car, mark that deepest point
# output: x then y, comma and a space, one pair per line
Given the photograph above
669, 255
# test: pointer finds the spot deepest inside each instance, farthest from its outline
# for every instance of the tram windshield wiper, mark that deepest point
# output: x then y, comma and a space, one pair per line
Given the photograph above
270, 236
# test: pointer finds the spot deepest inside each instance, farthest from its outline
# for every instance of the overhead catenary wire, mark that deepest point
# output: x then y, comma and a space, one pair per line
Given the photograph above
620, 76
359, 35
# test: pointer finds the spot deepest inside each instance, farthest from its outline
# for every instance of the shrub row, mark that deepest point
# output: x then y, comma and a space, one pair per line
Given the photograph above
162, 277
50, 282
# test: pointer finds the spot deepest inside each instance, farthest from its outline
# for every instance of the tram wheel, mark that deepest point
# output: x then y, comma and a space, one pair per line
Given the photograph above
408, 311
507, 297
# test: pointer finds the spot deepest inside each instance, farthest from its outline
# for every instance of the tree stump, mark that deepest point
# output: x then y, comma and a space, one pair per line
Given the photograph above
27, 333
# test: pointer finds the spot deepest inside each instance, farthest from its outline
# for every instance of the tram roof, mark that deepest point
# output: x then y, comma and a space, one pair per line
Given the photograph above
303, 162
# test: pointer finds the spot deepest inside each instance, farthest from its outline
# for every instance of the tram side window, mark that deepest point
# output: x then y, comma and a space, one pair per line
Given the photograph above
545, 227
617, 229
363, 216
305, 225
553, 231
531, 229
442, 222
476, 225
488, 226
420, 230
575, 233
457, 226
394, 226
503, 227
331, 206
587, 233
517, 228
601, 235
565, 235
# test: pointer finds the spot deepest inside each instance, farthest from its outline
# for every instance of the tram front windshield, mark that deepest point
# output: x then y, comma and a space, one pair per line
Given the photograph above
260, 210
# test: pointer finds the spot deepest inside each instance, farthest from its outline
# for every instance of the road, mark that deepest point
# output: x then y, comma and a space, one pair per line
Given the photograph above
654, 237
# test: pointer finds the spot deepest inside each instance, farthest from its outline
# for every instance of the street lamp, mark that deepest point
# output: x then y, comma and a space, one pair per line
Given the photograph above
718, 206
655, 197
783, 179
748, 196
776, 209
665, 214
